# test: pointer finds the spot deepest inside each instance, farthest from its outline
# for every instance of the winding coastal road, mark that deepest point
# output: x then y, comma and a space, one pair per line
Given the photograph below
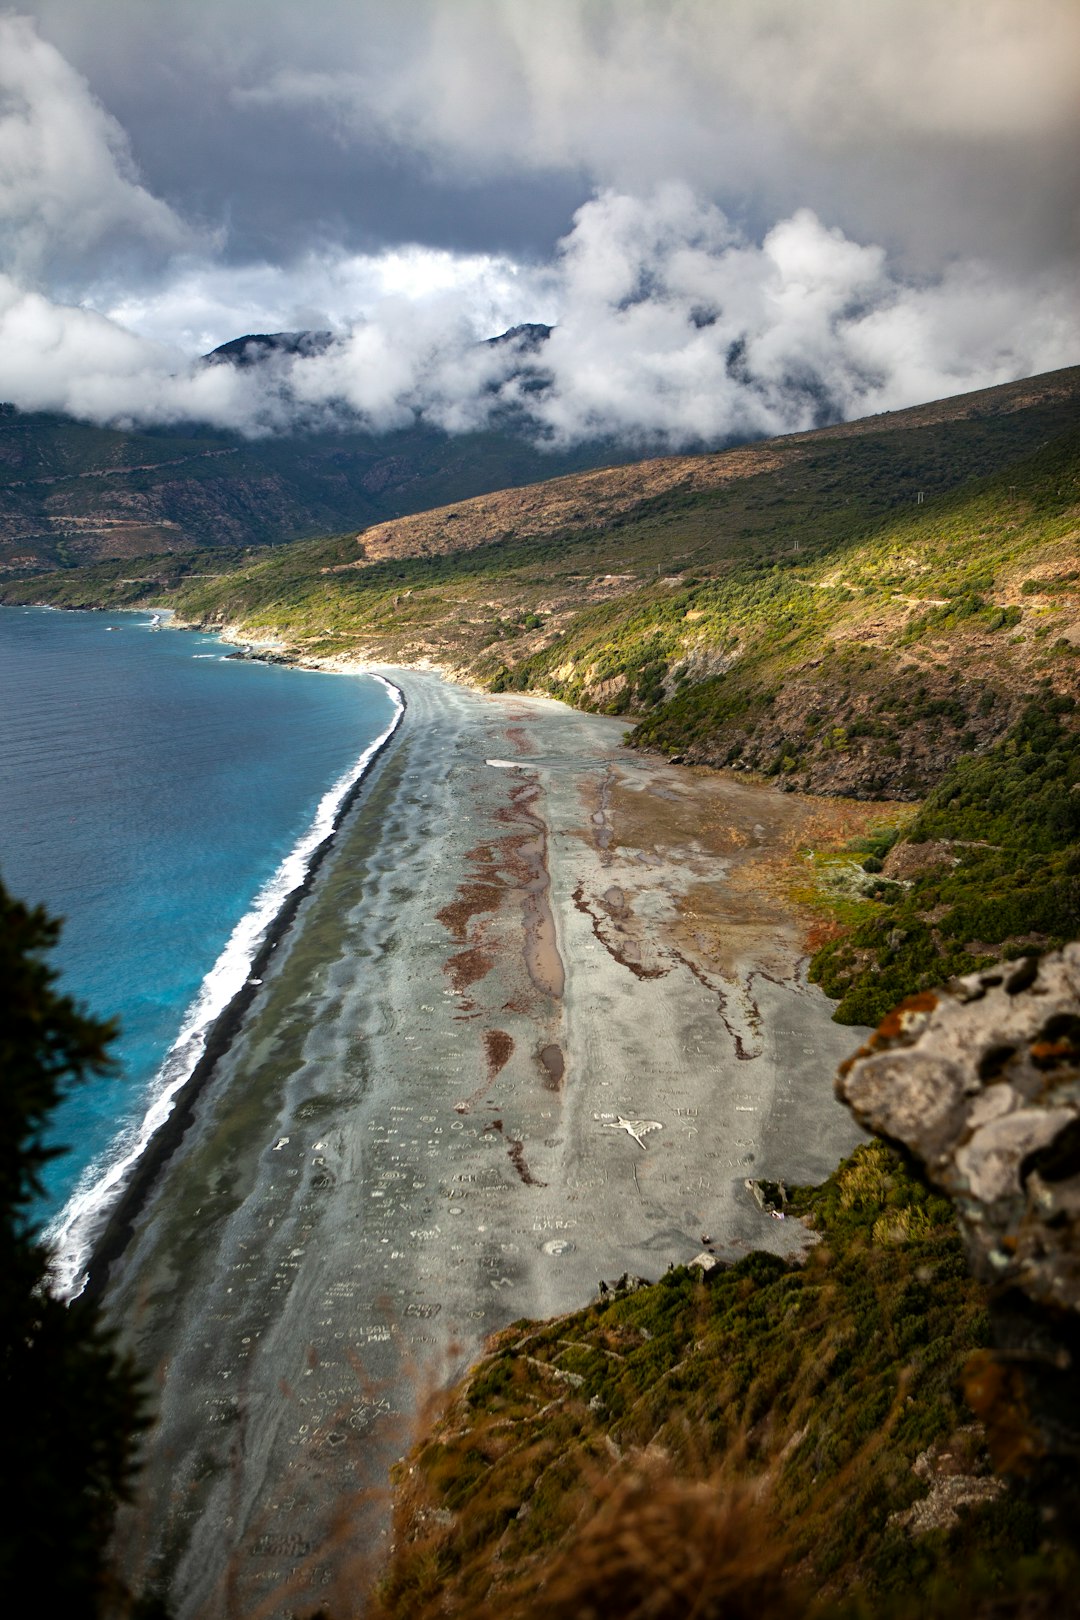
536, 1023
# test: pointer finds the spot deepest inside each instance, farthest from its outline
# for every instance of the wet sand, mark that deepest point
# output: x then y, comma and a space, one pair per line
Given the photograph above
539, 1016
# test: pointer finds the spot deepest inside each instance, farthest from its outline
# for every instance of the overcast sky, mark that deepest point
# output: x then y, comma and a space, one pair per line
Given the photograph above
741, 215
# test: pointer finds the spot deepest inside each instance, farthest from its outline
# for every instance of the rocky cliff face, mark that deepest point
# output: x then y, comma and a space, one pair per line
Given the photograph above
887, 728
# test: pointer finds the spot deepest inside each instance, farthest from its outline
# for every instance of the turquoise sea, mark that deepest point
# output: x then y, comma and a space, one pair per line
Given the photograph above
163, 799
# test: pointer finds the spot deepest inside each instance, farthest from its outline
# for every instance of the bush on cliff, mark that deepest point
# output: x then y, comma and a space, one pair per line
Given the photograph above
1005, 880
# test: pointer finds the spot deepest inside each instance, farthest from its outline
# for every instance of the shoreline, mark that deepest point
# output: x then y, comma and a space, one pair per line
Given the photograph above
119, 1223
83, 1267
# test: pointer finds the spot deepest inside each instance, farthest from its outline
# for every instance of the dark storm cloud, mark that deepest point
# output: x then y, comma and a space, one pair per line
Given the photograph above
274, 181
940, 127
738, 213
187, 82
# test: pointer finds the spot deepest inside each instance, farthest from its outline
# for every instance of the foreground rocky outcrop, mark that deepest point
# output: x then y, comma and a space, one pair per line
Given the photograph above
980, 1083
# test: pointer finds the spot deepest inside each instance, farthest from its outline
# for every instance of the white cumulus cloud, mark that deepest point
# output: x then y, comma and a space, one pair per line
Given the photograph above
69, 189
676, 322
671, 329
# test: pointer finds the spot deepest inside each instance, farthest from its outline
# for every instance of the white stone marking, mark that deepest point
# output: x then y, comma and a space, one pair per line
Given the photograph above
637, 1128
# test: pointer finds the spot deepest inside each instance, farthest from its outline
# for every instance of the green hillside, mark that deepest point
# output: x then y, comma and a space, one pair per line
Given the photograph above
989, 868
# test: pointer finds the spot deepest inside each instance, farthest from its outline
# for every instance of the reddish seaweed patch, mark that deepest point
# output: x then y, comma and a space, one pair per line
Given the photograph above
626, 954
741, 1050
517, 1155
473, 899
517, 1159
515, 862
467, 967
498, 1045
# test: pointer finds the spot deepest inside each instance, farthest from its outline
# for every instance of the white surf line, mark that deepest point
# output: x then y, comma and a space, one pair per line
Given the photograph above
71, 1235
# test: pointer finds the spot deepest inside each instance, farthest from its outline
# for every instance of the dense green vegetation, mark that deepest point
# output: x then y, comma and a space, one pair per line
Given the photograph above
72, 1406
931, 579
1000, 877
802, 1395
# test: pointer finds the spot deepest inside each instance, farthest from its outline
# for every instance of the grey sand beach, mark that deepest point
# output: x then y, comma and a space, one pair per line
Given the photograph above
536, 1023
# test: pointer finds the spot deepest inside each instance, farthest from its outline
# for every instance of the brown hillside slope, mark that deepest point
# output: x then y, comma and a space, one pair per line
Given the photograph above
590, 499
593, 499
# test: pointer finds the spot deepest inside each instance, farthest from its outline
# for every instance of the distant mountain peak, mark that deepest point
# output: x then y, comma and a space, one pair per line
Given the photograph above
529, 335
257, 347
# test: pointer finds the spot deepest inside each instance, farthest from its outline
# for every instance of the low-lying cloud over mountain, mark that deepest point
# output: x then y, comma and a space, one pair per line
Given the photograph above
773, 214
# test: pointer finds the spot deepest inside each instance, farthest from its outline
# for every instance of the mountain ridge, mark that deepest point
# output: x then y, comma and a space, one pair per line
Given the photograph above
615, 490
73, 494
255, 347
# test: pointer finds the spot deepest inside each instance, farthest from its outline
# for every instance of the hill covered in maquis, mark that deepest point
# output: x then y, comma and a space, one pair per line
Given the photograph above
72, 494
884, 609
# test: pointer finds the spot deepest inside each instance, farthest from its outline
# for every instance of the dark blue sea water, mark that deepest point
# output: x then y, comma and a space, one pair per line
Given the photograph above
163, 800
